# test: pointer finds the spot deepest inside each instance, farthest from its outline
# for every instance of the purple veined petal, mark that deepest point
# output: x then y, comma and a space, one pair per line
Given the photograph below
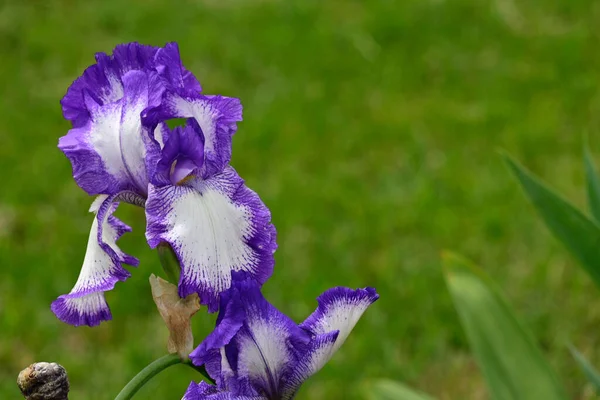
230, 320
217, 117
316, 356
339, 310
101, 269
215, 226
267, 345
204, 391
108, 152
211, 352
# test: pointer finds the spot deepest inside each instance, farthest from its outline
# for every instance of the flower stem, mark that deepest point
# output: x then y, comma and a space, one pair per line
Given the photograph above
152, 370
146, 374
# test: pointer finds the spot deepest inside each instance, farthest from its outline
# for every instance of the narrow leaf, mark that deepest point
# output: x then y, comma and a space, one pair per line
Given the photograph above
587, 368
576, 231
512, 364
593, 183
385, 389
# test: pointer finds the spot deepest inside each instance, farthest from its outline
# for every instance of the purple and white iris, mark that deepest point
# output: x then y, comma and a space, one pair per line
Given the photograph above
122, 150
256, 352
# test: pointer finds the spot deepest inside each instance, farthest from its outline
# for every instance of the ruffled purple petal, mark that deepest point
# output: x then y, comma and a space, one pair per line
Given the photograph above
102, 268
102, 81
108, 148
108, 152
168, 64
204, 391
215, 226
217, 117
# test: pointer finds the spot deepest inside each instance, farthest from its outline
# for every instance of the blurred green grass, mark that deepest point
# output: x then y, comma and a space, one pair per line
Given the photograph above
370, 130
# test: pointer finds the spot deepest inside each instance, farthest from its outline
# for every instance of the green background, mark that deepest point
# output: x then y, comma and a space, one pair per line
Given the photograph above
371, 130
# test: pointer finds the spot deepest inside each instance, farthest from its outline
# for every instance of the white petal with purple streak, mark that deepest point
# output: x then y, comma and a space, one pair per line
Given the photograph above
108, 152
339, 310
215, 226
101, 269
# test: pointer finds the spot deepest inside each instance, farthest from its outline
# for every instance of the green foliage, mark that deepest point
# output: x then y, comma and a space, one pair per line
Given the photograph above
385, 389
512, 364
589, 370
576, 231
370, 130
593, 183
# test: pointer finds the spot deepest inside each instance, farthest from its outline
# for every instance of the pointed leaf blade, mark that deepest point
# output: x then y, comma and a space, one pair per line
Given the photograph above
576, 231
593, 183
590, 372
385, 389
512, 364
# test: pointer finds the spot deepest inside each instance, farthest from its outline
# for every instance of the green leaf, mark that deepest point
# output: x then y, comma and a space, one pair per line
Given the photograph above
593, 183
512, 364
385, 389
587, 368
577, 232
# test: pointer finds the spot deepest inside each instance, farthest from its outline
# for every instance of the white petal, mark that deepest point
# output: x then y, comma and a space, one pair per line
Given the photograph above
101, 269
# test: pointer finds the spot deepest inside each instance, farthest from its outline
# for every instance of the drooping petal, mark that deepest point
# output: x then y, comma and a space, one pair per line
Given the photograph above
217, 117
204, 391
102, 268
215, 226
108, 152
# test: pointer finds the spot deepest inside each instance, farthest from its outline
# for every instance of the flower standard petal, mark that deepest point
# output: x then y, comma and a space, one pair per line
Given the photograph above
102, 268
215, 226
168, 63
338, 312
108, 152
339, 309
317, 353
217, 117
108, 148
103, 79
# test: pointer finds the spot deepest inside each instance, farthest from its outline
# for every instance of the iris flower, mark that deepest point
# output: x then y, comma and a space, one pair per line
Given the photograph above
122, 150
256, 352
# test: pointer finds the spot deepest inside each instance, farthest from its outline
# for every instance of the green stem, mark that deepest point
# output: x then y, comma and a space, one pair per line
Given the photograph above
151, 371
146, 374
